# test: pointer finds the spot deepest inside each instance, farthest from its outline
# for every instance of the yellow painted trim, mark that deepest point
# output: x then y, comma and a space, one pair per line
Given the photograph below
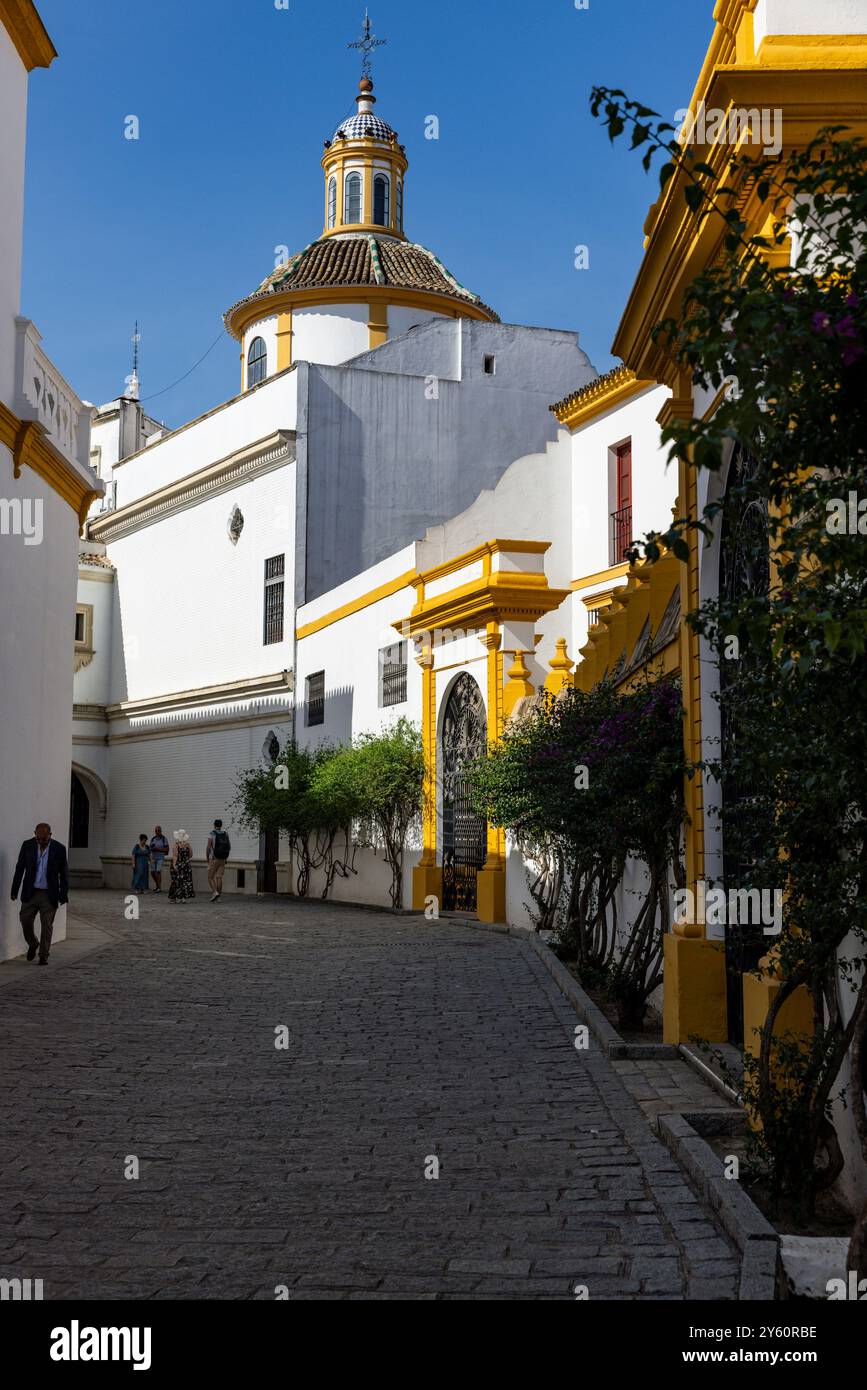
356, 605
481, 552
250, 312
377, 324
284, 340
31, 448
607, 392
602, 576
601, 600
21, 20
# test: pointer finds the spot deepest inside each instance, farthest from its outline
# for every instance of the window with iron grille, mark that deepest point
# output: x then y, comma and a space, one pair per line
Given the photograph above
621, 516
273, 625
315, 701
392, 674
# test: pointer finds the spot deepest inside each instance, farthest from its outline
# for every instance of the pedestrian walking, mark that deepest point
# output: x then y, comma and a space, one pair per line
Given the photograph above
218, 849
141, 858
181, 889
43, 877
159, 849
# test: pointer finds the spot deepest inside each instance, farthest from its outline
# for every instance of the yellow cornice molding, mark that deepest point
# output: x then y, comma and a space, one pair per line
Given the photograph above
346, 610
20, 19
814, 80
494, 596
603, 576
273, 451
31, 448
613, 389
482, 552
249, 312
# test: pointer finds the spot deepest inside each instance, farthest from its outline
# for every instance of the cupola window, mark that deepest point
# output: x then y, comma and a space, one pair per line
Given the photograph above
381, 210
332, 202
257, 362
352, 199
400, 205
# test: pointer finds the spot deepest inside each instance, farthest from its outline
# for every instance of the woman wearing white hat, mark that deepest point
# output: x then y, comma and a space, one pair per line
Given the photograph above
181, 890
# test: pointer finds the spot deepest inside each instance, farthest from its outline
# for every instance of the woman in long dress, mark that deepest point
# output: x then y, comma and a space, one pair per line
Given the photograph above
181, 890
141, 859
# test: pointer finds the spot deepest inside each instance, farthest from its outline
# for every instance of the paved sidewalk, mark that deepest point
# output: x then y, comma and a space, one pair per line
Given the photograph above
304, 1167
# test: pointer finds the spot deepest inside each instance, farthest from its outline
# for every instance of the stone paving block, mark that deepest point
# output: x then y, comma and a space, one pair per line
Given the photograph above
307, 1168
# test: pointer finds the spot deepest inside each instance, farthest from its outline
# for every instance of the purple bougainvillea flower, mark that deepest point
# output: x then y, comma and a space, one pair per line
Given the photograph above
822, 323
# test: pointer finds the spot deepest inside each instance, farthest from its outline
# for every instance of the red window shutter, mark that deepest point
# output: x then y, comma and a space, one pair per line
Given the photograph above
624, 476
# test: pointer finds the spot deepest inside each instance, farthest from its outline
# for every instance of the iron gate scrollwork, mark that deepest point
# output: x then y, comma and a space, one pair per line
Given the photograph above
744, 571
464, 738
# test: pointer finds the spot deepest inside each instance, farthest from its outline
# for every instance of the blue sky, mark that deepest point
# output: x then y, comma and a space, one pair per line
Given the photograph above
235, 98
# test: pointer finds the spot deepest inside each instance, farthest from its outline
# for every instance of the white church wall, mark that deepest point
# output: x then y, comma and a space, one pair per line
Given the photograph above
330, 337
401, 319
91, 684
190, 604
38, 586
235, 425
183, 781
13, 122
348, 652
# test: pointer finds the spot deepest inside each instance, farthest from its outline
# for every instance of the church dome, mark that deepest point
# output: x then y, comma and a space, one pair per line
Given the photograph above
368, 261
364, 125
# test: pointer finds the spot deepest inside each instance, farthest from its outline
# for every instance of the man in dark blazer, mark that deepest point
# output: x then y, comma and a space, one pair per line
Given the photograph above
42, 876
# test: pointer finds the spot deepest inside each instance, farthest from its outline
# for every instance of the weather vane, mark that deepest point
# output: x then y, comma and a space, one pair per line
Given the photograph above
366, 44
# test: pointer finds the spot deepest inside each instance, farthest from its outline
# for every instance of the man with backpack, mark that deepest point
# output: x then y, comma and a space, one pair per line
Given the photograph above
219, 848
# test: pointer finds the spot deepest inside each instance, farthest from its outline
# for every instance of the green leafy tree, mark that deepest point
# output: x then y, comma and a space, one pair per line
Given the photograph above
388, 769
599, 776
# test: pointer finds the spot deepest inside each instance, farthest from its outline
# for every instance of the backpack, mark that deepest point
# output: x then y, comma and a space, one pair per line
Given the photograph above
222, 845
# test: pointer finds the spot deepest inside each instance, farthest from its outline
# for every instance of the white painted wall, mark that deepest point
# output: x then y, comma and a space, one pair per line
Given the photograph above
184, 780
808, 17
13, 121
348, 652
189, 604
330, 336
236, 425
401, 319
38, 587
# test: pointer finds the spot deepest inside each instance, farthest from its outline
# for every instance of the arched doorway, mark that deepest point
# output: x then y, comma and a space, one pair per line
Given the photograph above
79, 814
464, 837
744, 571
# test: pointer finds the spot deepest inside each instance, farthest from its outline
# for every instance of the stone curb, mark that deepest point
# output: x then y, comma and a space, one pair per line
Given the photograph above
739, 1216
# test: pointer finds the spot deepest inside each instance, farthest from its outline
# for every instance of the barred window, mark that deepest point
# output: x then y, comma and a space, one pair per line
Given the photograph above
275, 569
315, 701
392, 674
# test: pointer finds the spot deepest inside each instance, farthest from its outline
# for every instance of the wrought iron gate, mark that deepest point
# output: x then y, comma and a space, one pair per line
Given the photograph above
464, 831
744, 570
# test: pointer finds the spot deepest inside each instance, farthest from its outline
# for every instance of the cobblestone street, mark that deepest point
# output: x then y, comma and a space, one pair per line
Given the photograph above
305, 1166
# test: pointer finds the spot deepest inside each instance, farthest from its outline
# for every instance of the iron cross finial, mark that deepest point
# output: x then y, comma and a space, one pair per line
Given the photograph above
366, 44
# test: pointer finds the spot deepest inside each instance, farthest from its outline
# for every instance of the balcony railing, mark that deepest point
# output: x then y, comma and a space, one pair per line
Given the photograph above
621, 534
42, 394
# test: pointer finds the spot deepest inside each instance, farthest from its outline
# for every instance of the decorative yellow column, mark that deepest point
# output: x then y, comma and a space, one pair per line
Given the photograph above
284, 340
694, 992
491, 879
427, 877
